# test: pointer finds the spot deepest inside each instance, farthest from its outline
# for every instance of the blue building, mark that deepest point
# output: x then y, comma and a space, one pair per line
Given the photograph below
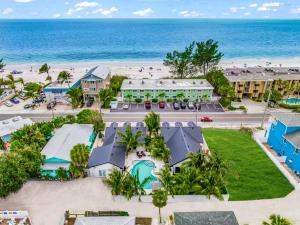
284, 139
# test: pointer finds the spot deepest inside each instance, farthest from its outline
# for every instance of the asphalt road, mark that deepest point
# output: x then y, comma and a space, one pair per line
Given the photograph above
170, 117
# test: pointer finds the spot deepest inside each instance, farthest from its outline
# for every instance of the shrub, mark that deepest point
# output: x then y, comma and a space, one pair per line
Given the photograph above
62, 174
33, 87
169, 100
186, 100
246, 130
231, 108
225, 102
155, 100
138, 100
289, 106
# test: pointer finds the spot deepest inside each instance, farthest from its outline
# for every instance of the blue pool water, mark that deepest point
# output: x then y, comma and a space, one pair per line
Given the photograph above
292, 101
77, 40
144, 167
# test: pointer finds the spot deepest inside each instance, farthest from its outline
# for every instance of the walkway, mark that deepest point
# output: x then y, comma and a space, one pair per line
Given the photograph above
47, 202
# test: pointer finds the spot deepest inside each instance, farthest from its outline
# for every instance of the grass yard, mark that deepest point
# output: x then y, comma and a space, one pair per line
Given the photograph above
252, 175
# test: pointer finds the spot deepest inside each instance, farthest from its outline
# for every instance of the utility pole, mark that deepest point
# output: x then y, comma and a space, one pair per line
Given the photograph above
266, 107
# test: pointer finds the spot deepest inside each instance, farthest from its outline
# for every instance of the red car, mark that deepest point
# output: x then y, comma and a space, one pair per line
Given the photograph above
147, 104
206, 119
161, 105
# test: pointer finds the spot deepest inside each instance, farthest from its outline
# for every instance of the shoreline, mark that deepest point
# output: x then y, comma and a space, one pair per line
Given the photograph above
151, 69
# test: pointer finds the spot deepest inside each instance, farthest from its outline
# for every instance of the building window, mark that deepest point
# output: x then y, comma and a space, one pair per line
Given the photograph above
92, 89
102, 173
284, 140
296, 150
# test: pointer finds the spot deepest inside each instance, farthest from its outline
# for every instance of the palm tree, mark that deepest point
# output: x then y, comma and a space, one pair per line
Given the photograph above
105, 97
139, 186
197, 160
212, 184
277, 220
64, 76
98, 123
2, 64
2, 144
147, 95
129, 139
152, 121
167, 180
128, 96
160, 199
76, 97
180, 95
79, 157
12, 82
115, 181
162, 96
45, 69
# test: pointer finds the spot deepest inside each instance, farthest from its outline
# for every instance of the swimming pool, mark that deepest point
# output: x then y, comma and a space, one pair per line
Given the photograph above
292, 101
145, 168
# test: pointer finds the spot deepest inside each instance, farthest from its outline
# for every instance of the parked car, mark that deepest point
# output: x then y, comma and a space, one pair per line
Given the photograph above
28, 106
191, 105
147, 104
125, 106
51, 105
90, 102
15, 100
8, 104
206, 119
197, 104
23, 95
161, 104
182, 105
176, 106
37, 100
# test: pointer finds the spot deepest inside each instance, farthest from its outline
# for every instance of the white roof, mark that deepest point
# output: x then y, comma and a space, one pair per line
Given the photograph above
289, 119
106, 220
166, 84
65, 138
11, 125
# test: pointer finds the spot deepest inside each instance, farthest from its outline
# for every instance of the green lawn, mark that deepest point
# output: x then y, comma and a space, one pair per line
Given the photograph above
251, 175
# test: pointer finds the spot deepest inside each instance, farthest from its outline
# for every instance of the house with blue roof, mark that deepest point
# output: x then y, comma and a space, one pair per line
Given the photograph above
284, 139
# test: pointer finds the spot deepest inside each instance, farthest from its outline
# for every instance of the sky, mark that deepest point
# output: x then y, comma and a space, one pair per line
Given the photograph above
240, 9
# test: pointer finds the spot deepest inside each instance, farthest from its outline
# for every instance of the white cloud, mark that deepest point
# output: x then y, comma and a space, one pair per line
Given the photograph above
296, 10
253, 5
233, 9
86, 4
269, 6
57, 15
107, 12
143, 13
7, 11
247, 13
23, 1
187, 13
242, 7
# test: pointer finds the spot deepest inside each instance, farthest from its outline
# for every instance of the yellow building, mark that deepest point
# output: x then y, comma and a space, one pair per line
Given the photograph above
254, 82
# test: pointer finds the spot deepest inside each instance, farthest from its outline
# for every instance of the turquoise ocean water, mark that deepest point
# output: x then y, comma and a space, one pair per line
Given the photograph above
25, 41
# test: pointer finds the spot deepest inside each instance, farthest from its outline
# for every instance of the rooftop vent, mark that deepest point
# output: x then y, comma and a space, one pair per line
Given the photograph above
178, 124
201, 82
130, 82
173, 82
194, 82
160, 82
165, 124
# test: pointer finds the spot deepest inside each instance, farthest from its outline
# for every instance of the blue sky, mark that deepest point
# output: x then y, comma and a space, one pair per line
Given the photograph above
149, 9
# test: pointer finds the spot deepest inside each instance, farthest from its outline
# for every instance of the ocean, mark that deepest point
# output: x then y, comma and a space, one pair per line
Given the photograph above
80, 40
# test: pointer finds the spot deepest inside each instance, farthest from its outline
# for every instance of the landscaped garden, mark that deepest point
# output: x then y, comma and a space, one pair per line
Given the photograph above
251, 174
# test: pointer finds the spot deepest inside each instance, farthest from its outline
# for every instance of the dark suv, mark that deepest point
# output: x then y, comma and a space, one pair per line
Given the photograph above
51, 105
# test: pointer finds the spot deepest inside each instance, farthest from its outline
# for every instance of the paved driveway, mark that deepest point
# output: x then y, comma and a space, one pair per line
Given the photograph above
47, 202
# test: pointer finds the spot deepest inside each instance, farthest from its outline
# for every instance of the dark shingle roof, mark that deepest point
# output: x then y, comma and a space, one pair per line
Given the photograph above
205, 218
181, 141
111, 151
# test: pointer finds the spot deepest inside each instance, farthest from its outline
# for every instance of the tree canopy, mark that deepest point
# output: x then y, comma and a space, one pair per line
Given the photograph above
159, 200
152, 121
79, 157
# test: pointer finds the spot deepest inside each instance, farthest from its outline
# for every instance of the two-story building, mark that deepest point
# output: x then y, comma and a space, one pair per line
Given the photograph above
94, 80
284, 139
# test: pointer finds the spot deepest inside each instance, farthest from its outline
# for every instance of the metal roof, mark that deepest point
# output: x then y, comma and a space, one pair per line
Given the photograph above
65, 138
11, 125
205, 218
98, 72
111, 151
289, 119
293, 138
166, 84
182, 140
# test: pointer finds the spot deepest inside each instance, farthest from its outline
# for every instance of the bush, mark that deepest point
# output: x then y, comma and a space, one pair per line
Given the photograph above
186, 100
138, 100
289, 106
225, 102
231, 108
155, 100
169, 100
246, 130
33, 87
62, 174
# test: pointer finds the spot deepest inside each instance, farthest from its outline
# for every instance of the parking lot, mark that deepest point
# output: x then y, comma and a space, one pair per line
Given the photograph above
140, 107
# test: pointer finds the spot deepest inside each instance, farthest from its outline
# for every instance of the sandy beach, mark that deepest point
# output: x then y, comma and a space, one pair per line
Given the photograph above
132, 69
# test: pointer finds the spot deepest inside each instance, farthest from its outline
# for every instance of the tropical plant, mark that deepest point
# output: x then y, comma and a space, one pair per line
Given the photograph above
275, 96
115, 181
147, 95
79, 157
98, 123
116, 83
162, 96
206, 55
180, 63
158, 149
128, 96
159, 200
2, 144
2, 64
277, 220
129, 139
180, 95
62, 174
105, 97
139, 185
76, 95
166, 179
34, 87
12, 82
64, 76
152, 121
